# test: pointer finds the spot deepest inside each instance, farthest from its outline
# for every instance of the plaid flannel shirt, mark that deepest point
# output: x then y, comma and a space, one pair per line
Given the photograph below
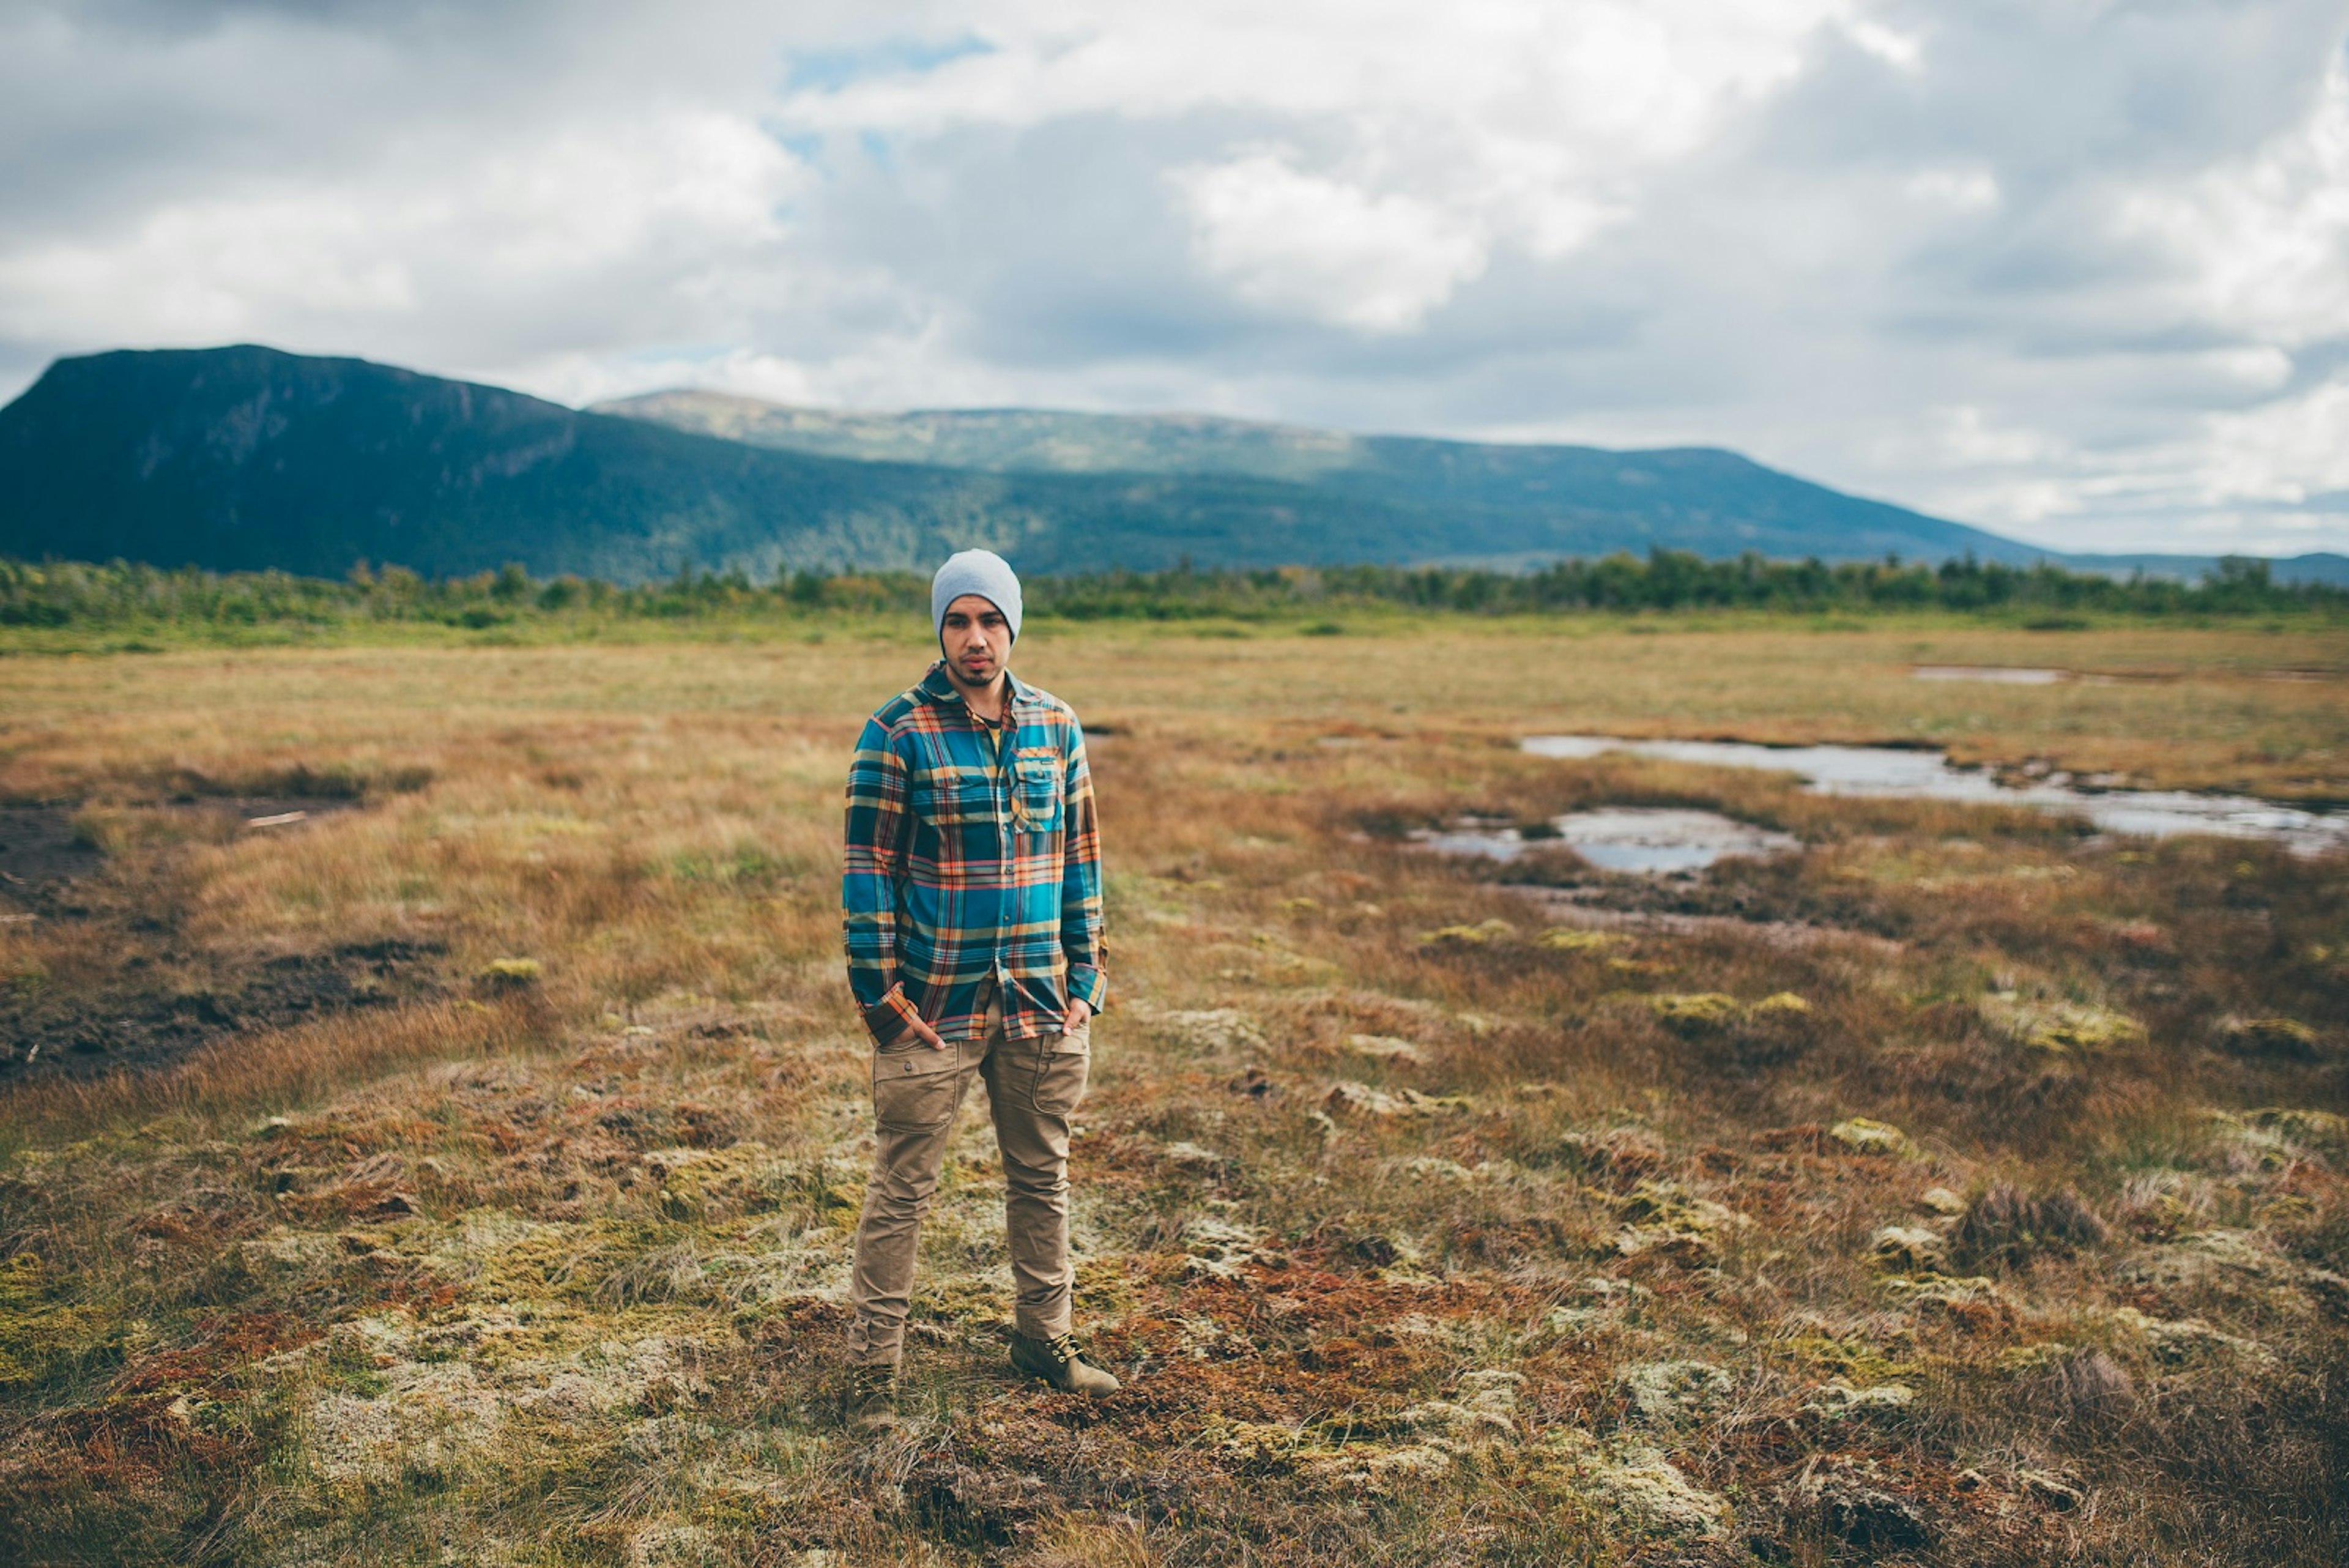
971, 853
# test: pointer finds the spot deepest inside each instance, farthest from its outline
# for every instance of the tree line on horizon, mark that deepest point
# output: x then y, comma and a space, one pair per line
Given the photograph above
118, 594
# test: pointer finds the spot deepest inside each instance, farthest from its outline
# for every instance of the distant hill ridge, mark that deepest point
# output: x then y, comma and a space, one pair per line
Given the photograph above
1736, 488
249, 458
1515, 501
1008, 440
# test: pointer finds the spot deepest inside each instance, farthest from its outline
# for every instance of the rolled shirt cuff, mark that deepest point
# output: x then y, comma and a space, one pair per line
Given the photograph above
1089, 985
891, 1016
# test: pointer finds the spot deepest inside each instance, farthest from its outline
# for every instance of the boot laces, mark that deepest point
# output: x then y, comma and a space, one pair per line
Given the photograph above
1065, 1349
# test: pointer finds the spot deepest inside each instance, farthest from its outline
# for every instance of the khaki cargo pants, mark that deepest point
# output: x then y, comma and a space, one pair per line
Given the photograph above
1033, 1087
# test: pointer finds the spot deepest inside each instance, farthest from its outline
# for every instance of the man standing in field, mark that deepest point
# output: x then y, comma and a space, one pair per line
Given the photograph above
972, 908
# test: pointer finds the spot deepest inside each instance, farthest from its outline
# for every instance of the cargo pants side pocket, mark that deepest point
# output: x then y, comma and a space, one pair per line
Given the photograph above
1063, 1064
915, 1090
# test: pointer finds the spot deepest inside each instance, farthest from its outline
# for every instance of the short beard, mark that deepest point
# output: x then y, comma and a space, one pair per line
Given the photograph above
962, 682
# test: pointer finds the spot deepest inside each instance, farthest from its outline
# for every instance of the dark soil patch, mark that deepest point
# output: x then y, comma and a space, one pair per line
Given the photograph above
37, 847
43, 855
127, 1025
1756, 893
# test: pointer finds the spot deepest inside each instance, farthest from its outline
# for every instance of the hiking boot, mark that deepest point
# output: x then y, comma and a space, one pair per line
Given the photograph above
870, 1407
1061, 1361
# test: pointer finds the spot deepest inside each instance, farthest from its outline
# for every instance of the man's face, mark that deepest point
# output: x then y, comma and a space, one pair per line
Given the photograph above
976, 638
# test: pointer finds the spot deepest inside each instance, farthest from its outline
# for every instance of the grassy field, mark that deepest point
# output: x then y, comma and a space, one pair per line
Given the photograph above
465, 1171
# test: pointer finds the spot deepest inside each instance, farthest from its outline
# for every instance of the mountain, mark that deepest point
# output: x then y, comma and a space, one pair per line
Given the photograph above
247, 458
1714, 502
1010, 440
1494, 502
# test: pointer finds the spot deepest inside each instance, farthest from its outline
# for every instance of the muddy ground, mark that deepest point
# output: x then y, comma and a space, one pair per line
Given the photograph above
165, 1006
39, 850
145, 996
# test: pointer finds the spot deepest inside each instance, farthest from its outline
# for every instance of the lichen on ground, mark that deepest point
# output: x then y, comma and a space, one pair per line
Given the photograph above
1703, 1246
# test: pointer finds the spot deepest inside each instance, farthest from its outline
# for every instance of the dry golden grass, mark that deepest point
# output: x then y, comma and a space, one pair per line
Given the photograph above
1488, 1248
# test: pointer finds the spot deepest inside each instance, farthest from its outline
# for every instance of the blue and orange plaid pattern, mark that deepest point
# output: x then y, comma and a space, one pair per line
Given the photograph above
972, 852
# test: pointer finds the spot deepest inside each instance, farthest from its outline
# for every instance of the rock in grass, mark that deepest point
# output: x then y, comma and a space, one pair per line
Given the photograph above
1664, 1392
1703, 1012
509, 973
1695, 1010
1943, 1201
2243, 1143
1619, 1152
1862, 1136
1493, 1389
1668, 1222
1779, 1005
1570, 940
1386, 1048
1629, 1480
2235, 1260
2220, 1255
2284, 1037
2176, 1342
1214, 1029
2056, 1492
671, 1544
2315, 1129
1974, 1301
1420, 1461
1485, 933
1485, 1411
1909, 1248
1837, 1400
1217, 1247
1350, 1098
2032, 1357
1482, 1416
2061, 1028
1856, 1503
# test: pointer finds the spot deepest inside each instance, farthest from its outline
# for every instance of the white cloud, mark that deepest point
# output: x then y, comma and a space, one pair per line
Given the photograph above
1961, 189
205, 272
1904, 51
2263, 241
1311, 245
1446, 129
1648, 75
681, 205
2285, 451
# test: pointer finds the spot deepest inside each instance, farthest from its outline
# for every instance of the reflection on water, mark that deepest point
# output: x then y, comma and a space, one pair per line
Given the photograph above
1930, 775
1999, 674
1623, 838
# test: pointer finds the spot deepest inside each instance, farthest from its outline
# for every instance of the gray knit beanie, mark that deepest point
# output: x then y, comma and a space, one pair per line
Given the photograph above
980, 572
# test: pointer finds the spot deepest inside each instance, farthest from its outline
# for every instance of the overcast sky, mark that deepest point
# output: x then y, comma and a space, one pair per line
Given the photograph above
2076, 270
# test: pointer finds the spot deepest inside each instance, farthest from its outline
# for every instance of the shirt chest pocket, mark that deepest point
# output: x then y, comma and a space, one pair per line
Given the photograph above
952, 797
1038, 794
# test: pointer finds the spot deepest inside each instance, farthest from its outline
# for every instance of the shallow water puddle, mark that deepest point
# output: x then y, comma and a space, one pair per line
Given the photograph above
2026, 675
1999, 674
1624, 839
1930, 775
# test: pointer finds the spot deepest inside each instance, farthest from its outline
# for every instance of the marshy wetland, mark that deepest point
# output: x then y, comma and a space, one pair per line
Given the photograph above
464, 1168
